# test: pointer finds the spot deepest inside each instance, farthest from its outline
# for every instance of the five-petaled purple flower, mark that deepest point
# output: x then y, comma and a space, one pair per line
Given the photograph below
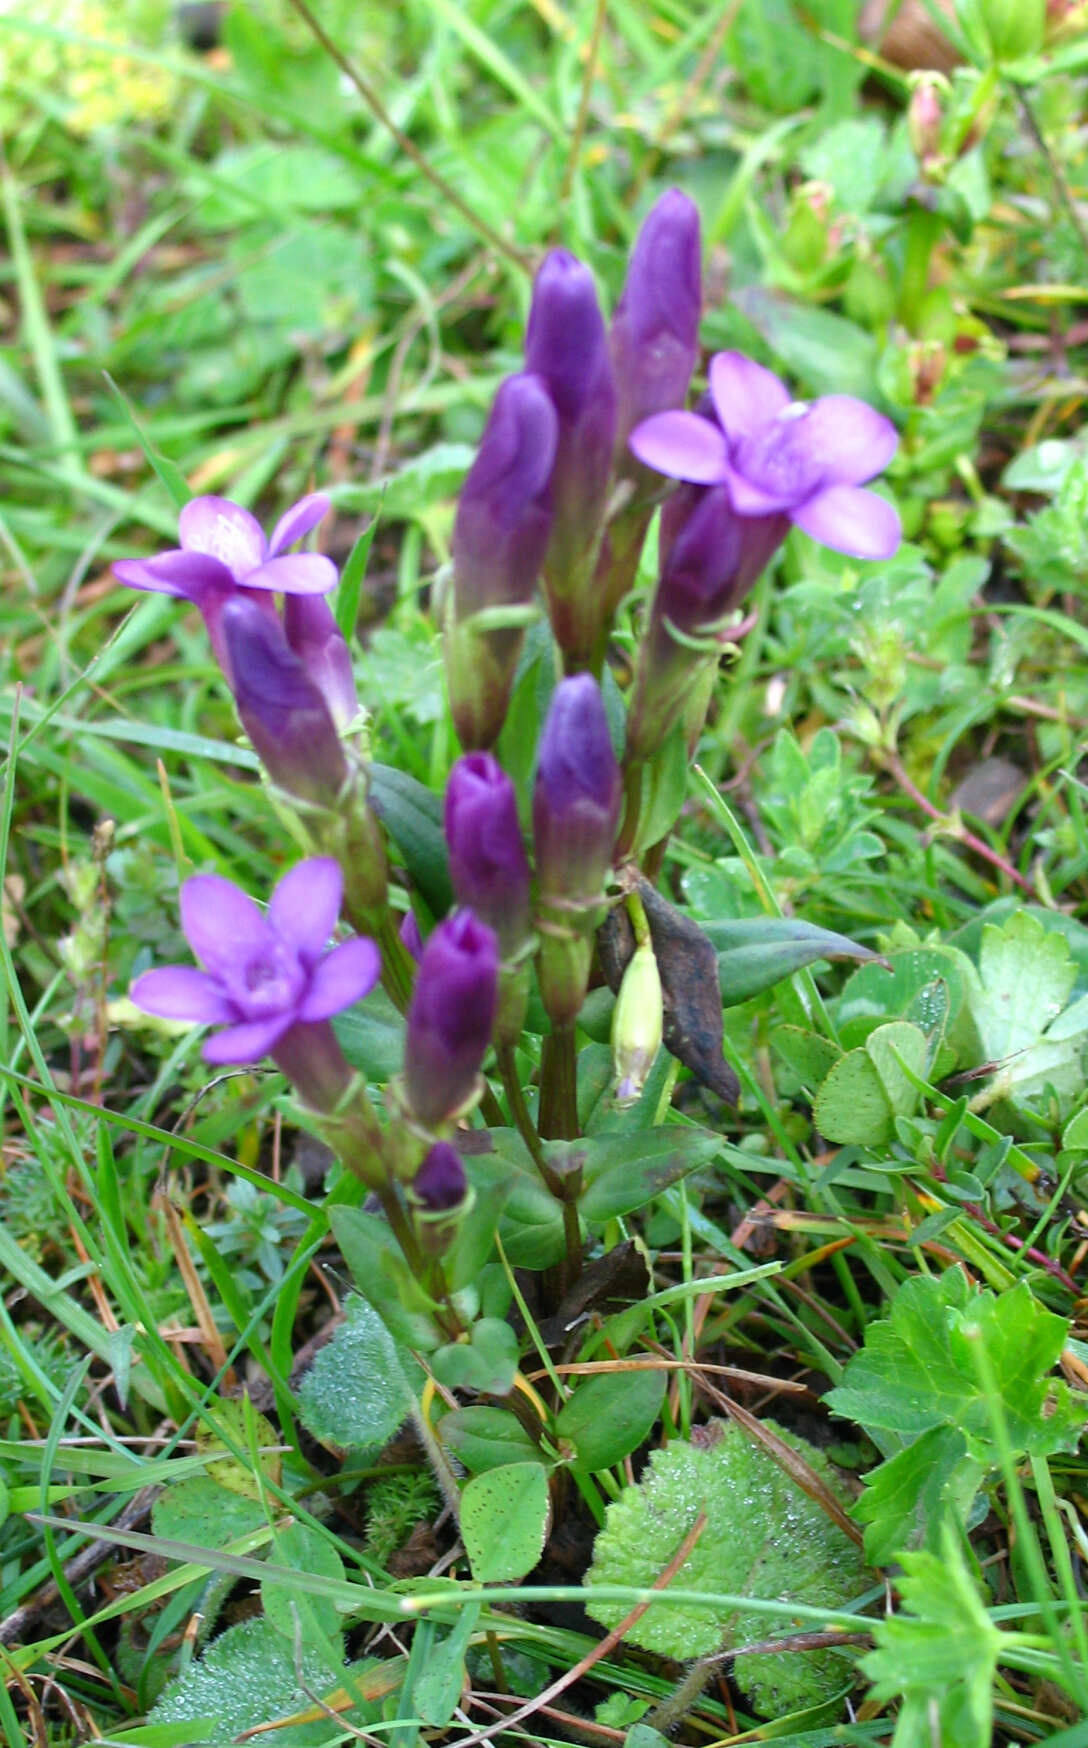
223, 549
807, 461
267, 979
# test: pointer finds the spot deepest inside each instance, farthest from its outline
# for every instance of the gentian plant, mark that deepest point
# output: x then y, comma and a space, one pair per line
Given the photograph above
513, 1136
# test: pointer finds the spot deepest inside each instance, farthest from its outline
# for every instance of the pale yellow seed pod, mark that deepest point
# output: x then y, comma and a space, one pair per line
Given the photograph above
637, 1021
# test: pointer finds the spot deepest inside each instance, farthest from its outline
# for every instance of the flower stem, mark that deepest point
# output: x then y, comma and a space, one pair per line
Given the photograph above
396, 963
519, 1110
632, 807
558, 1086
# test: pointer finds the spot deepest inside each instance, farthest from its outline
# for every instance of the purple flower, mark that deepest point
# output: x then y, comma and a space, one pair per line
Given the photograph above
777, 456
488, 864
409, 934
283, 711
567, 345
440, 1183
224, 550
655, 329
267, 979
577, 793
500, 536
450, 1017
312, 632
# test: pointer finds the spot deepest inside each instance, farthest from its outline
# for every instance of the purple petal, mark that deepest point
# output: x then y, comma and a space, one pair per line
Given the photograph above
174, 573
850, 520
746, 395
305, 905
180, 992
682, 445
750, 500
297, 521
852, 442
342, 978
247, 1042
222, 926
224, 531
296, 573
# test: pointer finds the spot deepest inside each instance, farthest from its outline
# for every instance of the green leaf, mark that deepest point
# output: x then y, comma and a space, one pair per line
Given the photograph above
531, 1224
371, 1035
437, 1688
764, 1537
504, 1517
383, 1277
908, 1498
361, 1385
808, 1055
247, 1677
199, 1510
875, 993
352, 577
611, 1415
486, 1362
487, 1438
916, 1369
412, 815
624, 1172
754, 953
430, 478
1026, 974
939, 1655
664, 789
827, 353
297, 1614
867, 1089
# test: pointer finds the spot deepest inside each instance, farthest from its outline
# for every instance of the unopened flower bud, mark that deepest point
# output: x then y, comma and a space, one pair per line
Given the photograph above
655, 329
637, 1022
576, 807
282, 710
409, 934
500, 536
488, 865
450, 1017
567, 345
440, 1183
312, 632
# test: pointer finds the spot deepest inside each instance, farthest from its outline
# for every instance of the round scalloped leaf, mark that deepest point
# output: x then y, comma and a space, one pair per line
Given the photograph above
764, 1539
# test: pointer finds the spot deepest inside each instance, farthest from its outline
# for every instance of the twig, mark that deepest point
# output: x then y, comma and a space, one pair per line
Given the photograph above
892, 763
407, 145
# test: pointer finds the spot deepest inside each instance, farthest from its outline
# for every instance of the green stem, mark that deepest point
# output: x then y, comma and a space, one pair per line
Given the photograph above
397, 966
519, 1110
632, 807
923, 229
558, 1086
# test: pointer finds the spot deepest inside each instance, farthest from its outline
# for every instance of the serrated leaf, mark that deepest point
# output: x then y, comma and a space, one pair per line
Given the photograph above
764, 1538
624, 1172
910, 1496
504, 1518
361, 1385
938, 1655
1026, 974
247, 1677
487, 1438
610, 1415
917, 1371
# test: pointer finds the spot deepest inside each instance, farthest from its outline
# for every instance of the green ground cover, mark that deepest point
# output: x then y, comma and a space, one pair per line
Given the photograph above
802, 1437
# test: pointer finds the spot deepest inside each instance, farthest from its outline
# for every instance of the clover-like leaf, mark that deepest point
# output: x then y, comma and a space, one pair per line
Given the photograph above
765, 1538
1026, 974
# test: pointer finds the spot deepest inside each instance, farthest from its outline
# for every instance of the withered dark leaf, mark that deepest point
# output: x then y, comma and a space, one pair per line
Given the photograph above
688, 964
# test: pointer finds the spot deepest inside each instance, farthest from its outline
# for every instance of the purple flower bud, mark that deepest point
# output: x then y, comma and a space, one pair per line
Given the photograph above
655, 330
312, 632
577, 793
440, 1183
500, 536
282, 710
267, 979
488, 865
778, 456
450, 1018
710, 556
567, 345
410, 935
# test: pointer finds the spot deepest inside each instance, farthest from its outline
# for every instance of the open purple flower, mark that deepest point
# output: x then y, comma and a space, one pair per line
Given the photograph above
267, 979
807, 461
223, 546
